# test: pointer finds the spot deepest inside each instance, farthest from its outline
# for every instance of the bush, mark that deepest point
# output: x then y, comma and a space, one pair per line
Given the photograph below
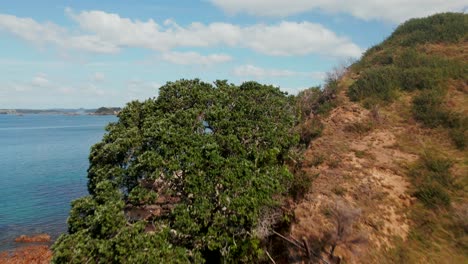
301, 185
459, 137
306, 101
359, 127
445, 27
428, 109
433, 167
381, 83
432, 195
309, 130
420, 78
431, 173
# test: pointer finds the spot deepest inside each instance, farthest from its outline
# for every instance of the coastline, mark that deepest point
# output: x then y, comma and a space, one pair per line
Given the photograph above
29, 249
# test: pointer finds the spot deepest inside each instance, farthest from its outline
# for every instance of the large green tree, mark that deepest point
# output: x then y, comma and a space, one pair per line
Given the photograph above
184, 177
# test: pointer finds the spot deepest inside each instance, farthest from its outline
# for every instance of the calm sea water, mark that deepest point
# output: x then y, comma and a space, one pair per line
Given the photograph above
43, 163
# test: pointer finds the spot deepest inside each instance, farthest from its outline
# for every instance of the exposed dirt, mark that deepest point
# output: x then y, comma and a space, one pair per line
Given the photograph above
364, 168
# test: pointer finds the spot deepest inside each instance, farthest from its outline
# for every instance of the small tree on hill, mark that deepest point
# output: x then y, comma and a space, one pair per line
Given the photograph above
343, 234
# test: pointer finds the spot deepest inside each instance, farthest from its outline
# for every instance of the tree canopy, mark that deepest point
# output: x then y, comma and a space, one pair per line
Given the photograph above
184, 177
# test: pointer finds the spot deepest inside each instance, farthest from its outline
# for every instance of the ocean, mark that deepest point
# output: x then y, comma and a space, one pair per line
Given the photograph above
43, 163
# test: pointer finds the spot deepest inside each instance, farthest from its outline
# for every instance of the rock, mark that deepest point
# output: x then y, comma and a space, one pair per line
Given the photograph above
33, 239
26, 255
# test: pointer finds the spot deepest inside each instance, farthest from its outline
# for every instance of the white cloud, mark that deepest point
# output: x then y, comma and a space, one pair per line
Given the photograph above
285, 38
190, 58
260, 73
292, 38
50, 33
257, 72
388, 10
52, 86
98, 77
103, 32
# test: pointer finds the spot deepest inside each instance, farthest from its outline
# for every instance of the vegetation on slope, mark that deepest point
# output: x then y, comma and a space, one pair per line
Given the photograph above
399, 65
106, 111
401, 68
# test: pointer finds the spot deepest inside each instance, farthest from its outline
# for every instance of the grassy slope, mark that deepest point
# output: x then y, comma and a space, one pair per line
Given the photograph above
402, 160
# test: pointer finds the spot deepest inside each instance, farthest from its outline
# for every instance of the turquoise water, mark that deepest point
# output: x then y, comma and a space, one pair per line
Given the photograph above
43, 163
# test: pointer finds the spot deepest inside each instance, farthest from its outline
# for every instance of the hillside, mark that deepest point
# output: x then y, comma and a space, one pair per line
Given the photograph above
391, 165
107, 111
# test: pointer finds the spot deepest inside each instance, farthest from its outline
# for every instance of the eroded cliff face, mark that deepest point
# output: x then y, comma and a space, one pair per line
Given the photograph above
375, 159
361, 166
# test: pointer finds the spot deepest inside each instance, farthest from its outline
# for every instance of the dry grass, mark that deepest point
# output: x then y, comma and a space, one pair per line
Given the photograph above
457, 51
367, 167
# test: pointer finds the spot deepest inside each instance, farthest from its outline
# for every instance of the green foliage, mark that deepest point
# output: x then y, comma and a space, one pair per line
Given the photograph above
429, 109
381, 83
459, 135
392, 67
431, 174
130, 245
445, 27
408, 74
301, 184
432, 195
387, 68
216, 153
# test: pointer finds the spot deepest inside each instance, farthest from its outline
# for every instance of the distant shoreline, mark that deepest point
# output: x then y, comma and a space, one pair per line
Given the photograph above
67, 112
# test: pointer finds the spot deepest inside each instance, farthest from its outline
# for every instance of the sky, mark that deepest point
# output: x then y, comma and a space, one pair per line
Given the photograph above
72, 54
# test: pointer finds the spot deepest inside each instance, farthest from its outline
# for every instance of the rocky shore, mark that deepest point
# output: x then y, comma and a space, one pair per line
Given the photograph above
31, 249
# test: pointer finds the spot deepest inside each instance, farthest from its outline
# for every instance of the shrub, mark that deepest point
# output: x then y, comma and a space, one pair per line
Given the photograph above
316, 160
310, 130
359, 127
445, 27
459, 137
432, 167
427, 108
306, 101
381, 83
420, 78
432, 195
431, 174
301, 185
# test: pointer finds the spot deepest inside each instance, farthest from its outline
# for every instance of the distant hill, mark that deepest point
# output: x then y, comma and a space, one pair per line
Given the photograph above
107, 111
57, 111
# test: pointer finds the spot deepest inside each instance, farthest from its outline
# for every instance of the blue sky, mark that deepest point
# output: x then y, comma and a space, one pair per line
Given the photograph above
70, 54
